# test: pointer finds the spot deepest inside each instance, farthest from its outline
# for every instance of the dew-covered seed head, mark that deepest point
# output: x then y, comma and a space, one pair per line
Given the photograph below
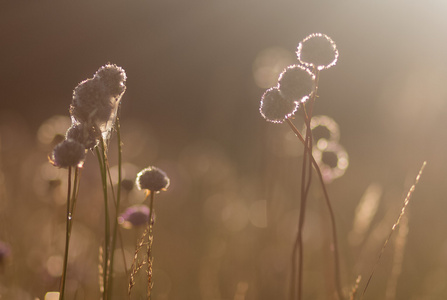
152, 179
84, 134
317, 50
296, 83
69, 153
274, 108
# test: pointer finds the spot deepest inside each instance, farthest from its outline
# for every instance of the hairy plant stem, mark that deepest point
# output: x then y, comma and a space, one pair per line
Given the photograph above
102, 160
150, 237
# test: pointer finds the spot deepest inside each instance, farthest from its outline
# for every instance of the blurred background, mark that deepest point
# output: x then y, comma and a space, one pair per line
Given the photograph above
196, 72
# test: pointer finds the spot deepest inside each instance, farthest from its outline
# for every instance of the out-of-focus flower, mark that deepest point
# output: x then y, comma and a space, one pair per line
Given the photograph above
333, 161
5, 252
134, 216
317, 50
296, 83
274, 108
69, 153
324, 130
152, 179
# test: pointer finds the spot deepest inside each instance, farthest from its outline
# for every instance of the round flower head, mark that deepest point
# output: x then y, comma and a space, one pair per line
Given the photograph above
87, 135
274, 108
5, 252
113, 79
91, 104
69, 153
296, 83
134, 216
324, 130
152, 179
317, 50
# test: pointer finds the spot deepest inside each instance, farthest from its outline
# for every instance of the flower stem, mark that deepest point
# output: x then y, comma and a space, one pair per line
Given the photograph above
67, 238
102, 158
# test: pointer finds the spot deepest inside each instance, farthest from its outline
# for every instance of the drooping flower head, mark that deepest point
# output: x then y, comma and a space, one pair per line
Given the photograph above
317, 50
274, 108
152, 179
296, 83
68, 153
134, 216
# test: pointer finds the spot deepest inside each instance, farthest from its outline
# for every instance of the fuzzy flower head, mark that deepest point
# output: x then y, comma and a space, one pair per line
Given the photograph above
317, 50
134, 216
113, 79
274, 108
152, 179
82, 133
296, 83
96, 100
68, 153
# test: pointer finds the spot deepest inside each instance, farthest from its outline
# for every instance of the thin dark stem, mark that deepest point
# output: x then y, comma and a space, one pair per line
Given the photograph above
67, 238
102, 158
117, 207
149, 246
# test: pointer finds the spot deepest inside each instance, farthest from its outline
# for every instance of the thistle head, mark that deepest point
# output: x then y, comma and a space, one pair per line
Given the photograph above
274, 108
152, 179
68, 153
84, 134
317, 50
296, 83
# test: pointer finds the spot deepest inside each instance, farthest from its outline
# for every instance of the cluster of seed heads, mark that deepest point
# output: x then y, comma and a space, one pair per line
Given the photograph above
297, 82
93, 111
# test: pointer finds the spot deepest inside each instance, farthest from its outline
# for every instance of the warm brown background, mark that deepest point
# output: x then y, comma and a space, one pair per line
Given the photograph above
191, 107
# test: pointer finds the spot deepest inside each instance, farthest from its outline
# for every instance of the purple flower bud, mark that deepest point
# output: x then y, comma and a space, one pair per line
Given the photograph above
134, 216
84, 134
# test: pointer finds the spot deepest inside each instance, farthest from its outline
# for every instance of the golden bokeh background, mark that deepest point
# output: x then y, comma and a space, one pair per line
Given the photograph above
196, 72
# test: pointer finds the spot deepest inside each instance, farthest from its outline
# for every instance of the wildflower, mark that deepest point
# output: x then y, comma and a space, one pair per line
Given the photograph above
274, 108
152, 179
69, 153
95, 100
113, 79
324, 130
84, 134
134, 216
5, 252
333, 161
127, 184
317, 50
296, 83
